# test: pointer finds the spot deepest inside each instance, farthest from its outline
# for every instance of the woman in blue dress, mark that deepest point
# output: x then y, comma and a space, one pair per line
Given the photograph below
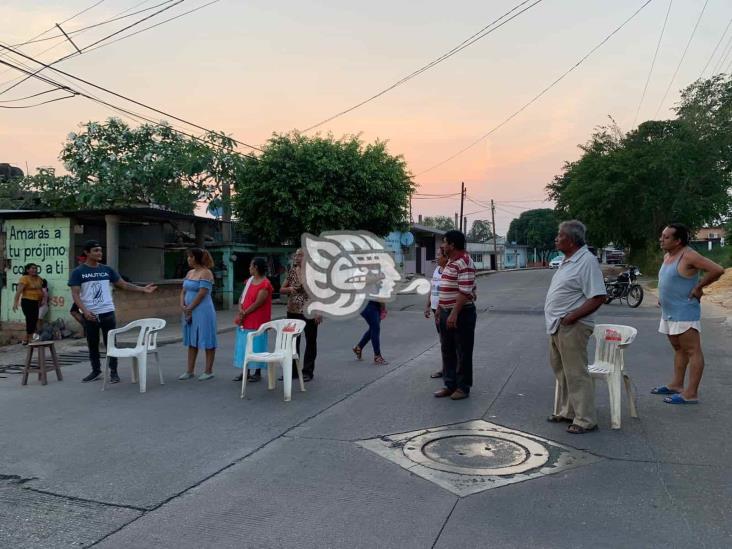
199, 315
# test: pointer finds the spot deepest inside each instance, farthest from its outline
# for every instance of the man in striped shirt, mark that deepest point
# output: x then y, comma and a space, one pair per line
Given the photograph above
456, 311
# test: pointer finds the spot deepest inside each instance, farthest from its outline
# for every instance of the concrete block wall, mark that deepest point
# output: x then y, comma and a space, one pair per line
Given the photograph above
164, 303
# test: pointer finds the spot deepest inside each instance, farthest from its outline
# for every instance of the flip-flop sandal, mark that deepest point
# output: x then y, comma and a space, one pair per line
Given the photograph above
579, 430
435, 375
379, 360
663, 390
678, 399
357, 352
558, 419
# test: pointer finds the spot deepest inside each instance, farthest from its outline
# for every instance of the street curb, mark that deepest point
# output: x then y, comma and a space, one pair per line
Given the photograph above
486, 273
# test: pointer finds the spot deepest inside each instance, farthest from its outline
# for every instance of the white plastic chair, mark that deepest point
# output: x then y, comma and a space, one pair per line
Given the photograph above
610, 340
146, 343
287, 332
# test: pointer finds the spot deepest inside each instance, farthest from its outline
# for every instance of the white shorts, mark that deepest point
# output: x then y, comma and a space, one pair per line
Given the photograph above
677, 327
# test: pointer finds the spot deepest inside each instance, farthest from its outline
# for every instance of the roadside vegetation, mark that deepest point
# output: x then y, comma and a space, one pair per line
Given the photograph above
627, 186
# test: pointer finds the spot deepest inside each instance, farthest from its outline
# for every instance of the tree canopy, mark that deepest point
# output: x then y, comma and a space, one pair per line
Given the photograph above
111, 164
535, 228
627, 187
313, 184
441, 222
480, 231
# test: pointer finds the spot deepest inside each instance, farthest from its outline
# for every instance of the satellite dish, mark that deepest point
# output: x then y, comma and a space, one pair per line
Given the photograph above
407, 239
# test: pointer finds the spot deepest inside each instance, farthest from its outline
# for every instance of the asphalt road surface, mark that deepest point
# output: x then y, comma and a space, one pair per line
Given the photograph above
190, 465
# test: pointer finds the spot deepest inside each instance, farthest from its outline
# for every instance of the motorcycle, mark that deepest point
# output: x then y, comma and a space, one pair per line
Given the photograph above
625, 287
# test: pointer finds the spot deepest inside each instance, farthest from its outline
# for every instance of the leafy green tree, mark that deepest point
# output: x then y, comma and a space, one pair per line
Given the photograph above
46, 190
313, 184
706, 106
114, 165
480, 231
535, 228
440, 222
627, 188
13, 195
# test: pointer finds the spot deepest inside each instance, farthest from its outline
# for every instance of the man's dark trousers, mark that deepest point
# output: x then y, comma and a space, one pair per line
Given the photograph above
457, 348
104, 322
311, 344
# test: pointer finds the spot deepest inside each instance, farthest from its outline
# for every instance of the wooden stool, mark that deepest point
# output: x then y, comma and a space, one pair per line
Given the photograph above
41, 346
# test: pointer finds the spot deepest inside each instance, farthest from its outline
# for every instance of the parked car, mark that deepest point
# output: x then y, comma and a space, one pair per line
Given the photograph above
614, 257
556, 262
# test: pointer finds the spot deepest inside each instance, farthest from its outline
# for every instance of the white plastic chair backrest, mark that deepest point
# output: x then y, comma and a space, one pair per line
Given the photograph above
609, 340
285, 330
145, 325
156, 324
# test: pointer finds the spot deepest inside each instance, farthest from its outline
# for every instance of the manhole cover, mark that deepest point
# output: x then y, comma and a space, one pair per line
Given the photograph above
476, 455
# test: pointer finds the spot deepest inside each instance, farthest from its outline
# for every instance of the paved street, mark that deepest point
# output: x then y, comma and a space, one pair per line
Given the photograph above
190, 465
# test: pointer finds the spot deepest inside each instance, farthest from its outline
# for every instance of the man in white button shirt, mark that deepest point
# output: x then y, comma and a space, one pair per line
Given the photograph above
577, 290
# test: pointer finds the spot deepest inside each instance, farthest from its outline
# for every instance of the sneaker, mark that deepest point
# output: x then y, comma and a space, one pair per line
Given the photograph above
184, 376
93, 376
114, 377
205, 376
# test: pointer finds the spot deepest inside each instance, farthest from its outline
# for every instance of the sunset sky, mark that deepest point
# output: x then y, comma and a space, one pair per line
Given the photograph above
250, 68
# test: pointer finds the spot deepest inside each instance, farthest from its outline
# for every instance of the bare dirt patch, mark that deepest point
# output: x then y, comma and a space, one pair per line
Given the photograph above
721, 291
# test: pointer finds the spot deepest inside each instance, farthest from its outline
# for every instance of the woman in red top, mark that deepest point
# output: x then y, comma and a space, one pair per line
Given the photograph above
255, 308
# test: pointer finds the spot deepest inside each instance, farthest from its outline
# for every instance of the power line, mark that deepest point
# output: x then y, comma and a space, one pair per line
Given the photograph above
436, 197
77, 14
485, 31
88, 27
435, 194
723, 58
715, 48
653, 63
62, 42
155, 25
37, 104
112, 106
28, 96
519, 201
683, 55
107, 90
73, 54
540, 94
512, 214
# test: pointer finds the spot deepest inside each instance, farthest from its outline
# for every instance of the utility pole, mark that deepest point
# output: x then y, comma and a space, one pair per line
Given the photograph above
495, 238
462, 203
226, 210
